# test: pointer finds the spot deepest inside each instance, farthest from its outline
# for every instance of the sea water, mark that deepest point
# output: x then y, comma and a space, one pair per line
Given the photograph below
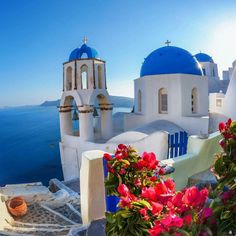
29, 144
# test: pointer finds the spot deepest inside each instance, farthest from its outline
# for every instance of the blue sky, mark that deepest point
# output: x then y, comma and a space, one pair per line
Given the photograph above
37, 36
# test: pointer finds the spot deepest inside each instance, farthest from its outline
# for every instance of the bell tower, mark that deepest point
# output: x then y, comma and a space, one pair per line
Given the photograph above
85, 96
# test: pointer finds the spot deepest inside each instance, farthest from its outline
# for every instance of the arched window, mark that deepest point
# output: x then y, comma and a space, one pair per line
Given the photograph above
204, 71
163, 101
84, 76
194, 100
139, 101
213, 72
99, 77
69, 78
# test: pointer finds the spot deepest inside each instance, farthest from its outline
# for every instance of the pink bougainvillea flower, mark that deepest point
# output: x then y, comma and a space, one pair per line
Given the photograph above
170, 184
222, 126
206, 213
121, 152
161, 188
125, 201
148, 160
229, 122
161, 171
122, 171
188, 219
193, 197
123, 190
153, 178
107, 157
144, 213
156, 208
157, 229
149, 193
137, 182
172, 221
177, 199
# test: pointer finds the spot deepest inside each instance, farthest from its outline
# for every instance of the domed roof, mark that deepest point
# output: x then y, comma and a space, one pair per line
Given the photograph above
78, 52
170, 60
203, 57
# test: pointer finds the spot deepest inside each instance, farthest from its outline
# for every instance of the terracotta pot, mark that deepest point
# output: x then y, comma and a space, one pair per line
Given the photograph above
17, 206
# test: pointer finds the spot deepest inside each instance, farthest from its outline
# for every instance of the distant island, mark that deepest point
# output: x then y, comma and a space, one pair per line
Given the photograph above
118, 101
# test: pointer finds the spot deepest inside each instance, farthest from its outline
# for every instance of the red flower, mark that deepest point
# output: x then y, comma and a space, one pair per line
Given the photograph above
161, 171
149, 193
110, 168
229, 122
161, 188
125, 201
148, 160
153, 178
172, 221
143, 212
107, 157
137, 182
122, 171
177, 200
222, 126
157, 229
188, 219
123, 190
193, 197
121, 152
170, 184
156, 208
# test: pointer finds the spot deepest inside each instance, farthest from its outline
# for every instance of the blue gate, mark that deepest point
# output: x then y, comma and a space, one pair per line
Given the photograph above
177, 144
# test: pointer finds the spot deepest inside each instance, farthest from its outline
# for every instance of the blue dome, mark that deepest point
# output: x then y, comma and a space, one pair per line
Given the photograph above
203, 57
78, 52
170, 60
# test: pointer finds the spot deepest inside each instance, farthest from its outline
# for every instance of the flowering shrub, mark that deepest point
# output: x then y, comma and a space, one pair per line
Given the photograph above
224, 204
149, 204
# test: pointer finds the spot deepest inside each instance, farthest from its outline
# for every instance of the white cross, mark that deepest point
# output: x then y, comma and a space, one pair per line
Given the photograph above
168, 42
85, 39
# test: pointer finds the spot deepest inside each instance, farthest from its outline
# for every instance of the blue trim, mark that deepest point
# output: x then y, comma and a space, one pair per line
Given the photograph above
111, 201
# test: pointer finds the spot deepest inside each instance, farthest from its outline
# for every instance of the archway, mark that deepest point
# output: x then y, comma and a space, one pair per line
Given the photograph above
102, 124
69, 117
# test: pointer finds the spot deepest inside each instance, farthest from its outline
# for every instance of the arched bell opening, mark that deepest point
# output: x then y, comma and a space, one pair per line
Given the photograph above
69, 117
102, 118
69, 78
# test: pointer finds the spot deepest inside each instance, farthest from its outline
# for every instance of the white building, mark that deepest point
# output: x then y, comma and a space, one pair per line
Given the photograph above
171, 87
84, 88
171, 96
230, 96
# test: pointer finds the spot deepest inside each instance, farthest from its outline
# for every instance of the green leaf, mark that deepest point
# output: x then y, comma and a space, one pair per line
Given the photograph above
225, 215
142, 203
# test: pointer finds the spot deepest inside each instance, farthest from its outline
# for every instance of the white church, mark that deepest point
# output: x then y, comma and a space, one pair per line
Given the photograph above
176, 92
